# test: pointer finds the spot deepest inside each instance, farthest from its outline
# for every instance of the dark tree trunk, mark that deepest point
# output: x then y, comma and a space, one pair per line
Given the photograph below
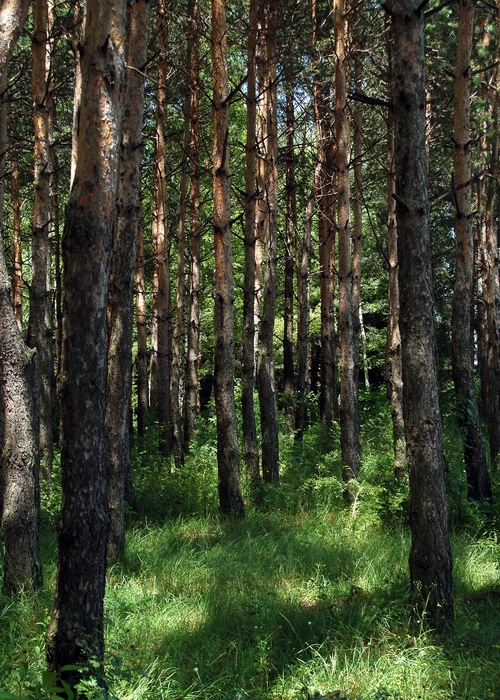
192, 400
268, 186
250, 448
75, 633
393, 368
349, 412
461, 352
142, 348
40, 326
430, 555
228, 459
121, 290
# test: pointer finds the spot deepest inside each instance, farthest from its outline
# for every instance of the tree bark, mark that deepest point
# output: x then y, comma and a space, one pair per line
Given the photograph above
479, 487
19, 485
192, 399
121, 290
140, 316
40, 326
75, 633
328, 400
250, 447
17, 245
393, 361
228, 461
268, 186
349, 412
430, 555
161, 350
290, 244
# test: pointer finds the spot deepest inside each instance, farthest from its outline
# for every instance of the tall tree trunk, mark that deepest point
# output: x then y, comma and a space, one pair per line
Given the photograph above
19, 489
177, 363
303, 314
479, 486
121, 290
430, 555
140, 315
290, 244
393, 362
357, 248
328, 400
40, 326
250, 448
75, 633
228, 459
17, 245
161, 351
268, 186
192, 400
349, 413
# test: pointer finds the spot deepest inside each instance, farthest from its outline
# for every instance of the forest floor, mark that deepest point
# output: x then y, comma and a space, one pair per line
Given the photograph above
303, 599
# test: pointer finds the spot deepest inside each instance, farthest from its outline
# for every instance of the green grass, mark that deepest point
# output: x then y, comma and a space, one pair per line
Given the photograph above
302, 599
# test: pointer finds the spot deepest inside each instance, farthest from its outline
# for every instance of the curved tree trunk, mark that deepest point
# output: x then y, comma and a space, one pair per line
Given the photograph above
76, 630
121, 291
461, 351
430, 555
228, 459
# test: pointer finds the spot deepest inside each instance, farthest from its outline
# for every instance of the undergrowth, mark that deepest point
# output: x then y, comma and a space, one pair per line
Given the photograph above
303, 599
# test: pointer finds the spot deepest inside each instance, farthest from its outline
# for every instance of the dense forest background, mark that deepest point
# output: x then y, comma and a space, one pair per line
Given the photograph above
249, 327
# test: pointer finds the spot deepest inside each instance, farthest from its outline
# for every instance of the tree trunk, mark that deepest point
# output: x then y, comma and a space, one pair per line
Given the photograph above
161, 349
140, 316
250, 448
19, 489
75, 633
349, 414
228, 461
479, 487
430, 555
290, 244
357, 248
17, 245
192, 400
40, 326
268, 186
121, 290
393, 370
328, 400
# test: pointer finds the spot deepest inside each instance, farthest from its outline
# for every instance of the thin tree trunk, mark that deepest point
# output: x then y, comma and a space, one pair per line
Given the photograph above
121, 290
250, 448
328, 400
228, 460
268, 186
161, 350
17, 246
349, 414
140, 315
76, 630
479, 487
430, 555
19, 489
40, 326
192, 400
290, 244
303, 314
177, 363
357, 238
393, 360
